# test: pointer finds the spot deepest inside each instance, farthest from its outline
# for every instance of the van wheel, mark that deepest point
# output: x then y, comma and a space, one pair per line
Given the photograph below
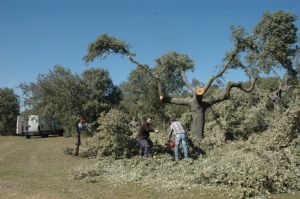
27, 136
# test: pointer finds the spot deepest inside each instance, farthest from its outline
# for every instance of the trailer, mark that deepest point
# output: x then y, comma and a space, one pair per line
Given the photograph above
34, 125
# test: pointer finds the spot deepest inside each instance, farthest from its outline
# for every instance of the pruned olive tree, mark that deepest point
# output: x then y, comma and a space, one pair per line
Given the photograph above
260, 51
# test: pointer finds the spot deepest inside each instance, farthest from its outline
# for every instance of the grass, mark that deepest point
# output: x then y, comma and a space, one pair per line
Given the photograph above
37, 168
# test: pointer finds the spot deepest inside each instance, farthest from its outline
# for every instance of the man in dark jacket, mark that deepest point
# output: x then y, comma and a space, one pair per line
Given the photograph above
144, 138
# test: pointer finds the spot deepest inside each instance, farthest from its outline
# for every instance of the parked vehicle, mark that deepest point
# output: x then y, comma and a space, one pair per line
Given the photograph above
33, 125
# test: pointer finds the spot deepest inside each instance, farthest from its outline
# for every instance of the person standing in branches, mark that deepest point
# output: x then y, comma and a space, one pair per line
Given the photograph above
176, 128
80, 123
144, 140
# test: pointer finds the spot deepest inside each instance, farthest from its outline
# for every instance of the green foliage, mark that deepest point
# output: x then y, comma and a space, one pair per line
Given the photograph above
271, 45
270, 84
238, 117
100, 93
105, 45
169, 68
284, 129
113, 137
9, 110
276, 34
140, 95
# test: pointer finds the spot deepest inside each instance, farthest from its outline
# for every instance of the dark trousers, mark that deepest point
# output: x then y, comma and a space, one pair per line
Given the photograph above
145, 147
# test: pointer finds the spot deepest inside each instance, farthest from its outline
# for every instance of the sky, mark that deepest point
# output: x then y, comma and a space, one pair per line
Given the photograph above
36, 35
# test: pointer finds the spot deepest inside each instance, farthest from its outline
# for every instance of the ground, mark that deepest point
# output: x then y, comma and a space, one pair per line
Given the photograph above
37, 168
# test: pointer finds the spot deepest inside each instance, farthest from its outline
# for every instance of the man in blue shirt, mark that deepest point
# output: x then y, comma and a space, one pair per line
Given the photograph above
176, 128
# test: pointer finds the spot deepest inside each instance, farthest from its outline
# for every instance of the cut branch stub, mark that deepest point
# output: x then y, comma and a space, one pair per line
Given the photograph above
199, 90
161, 98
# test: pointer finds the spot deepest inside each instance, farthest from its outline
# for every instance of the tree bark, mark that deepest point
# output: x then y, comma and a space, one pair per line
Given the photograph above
198, 108
176, 100
198, 115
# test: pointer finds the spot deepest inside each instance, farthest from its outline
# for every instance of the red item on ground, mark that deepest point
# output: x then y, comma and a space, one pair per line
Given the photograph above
170, 144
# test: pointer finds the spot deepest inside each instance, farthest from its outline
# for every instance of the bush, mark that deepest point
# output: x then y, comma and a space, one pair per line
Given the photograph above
284, 129
113, 137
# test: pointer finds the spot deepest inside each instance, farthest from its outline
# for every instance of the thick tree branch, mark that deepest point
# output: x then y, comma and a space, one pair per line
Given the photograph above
225, 95
220, 73
176, 100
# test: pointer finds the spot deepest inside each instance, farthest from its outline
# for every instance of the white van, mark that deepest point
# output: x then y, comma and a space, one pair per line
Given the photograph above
33, 125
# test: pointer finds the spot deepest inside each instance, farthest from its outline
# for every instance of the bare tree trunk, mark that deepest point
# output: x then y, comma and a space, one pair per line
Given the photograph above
198, 114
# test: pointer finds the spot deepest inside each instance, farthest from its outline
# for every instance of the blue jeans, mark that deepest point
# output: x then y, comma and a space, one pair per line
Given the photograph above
181, 138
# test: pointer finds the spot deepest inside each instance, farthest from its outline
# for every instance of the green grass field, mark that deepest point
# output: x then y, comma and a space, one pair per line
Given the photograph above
37, 168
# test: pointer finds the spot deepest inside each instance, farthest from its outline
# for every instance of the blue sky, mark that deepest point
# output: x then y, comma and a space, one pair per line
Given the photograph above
35, 35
